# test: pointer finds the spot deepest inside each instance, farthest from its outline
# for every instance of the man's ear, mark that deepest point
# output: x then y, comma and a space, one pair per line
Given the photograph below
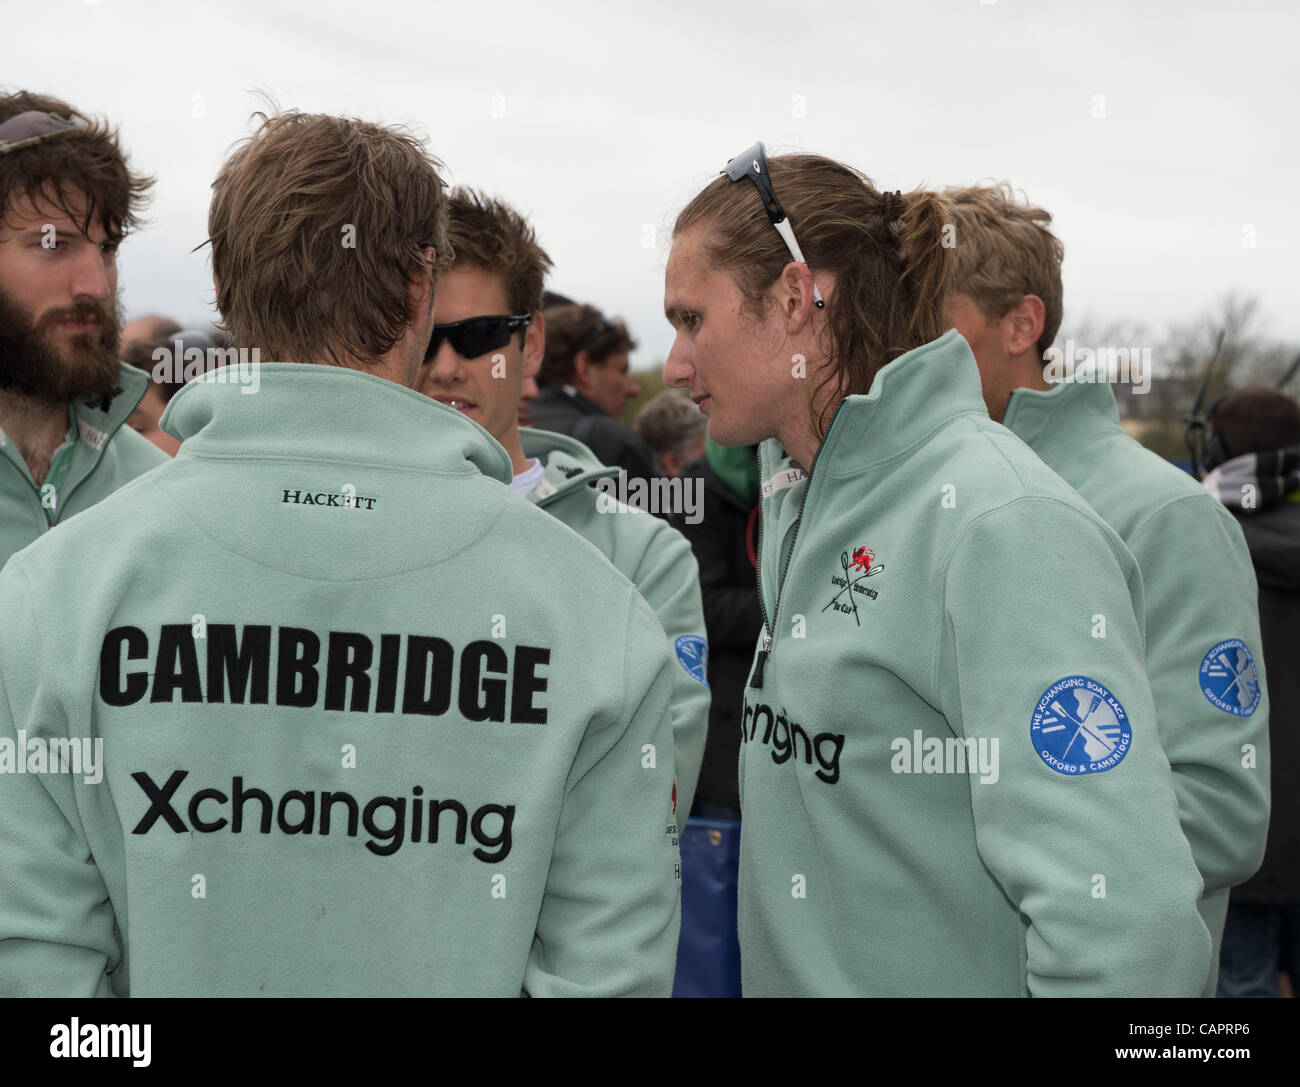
795, 291
534, 345
582, 366
1023, 325
420, 293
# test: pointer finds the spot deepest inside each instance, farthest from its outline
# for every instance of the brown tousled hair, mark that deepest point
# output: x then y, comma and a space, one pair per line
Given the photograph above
1003, 251
571, 328
89, 162
1256, 419
891, 269
289, 282
489, 234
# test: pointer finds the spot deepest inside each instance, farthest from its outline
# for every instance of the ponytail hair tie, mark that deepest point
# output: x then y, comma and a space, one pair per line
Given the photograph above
893, 204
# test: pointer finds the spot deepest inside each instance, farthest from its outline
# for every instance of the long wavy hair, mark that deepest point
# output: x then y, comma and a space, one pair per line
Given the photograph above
889, 254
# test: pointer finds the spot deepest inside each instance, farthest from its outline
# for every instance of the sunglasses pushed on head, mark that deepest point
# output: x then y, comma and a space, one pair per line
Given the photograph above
752, 164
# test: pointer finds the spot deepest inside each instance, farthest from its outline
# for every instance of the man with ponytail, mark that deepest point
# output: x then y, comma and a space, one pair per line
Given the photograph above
944, 764
1006, 301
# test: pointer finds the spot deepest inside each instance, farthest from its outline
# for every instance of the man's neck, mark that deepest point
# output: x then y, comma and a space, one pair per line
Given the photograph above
514, 447
36, 427
1027, 373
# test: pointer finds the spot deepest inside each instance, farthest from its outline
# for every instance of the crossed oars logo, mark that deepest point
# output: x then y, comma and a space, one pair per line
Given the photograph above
862, 557
1240, 674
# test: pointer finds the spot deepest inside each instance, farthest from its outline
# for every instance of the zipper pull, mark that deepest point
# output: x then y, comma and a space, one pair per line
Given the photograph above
756, 680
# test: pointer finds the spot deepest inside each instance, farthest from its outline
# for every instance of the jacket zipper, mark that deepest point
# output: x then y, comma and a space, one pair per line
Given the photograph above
769, 628
37, 489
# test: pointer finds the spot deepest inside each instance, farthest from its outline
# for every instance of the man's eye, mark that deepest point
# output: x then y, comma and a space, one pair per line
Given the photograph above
108, 247
691, 320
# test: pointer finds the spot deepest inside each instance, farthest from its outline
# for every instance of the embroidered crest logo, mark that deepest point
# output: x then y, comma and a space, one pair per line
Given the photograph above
1228, 678
1080, 727
849, 583
693, 655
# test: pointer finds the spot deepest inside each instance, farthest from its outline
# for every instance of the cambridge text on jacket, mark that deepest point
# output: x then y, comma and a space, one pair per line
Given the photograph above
356, 735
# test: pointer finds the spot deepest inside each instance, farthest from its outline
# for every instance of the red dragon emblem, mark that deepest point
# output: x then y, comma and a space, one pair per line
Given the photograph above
862, 557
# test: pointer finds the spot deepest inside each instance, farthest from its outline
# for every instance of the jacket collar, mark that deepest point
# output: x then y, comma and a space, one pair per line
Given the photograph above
1063, 419
329, 413
917, 394
98, 419
569, 464
93, 422
567, 394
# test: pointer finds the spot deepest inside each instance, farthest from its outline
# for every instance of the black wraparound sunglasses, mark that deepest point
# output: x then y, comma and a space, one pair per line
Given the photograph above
752, 164
476, 336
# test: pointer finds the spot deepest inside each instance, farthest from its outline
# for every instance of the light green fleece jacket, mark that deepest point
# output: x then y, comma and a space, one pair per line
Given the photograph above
950, 773
656, 558
358, 735
99, 455
1201, 596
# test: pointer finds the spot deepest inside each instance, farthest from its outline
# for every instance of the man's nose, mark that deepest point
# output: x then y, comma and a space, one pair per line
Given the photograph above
92, 274
444, 367
678, 370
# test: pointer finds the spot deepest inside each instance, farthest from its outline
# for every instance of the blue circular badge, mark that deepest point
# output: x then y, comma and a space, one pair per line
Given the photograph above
693, 655
1228, 678
1079, 727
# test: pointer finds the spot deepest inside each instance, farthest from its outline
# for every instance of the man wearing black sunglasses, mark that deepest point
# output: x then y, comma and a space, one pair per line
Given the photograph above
489, 340
466, 366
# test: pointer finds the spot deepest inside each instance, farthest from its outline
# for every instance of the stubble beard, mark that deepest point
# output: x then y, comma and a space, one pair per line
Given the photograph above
34, 368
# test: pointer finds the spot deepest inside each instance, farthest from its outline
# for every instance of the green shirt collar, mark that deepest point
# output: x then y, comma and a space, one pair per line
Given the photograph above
327, 413
1062, 420
98, 419
918, 393
569, 464
91, 423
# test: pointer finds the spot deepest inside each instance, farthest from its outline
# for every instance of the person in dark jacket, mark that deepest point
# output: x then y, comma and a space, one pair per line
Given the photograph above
584, 386
1254, 461
725, 543
673, 430
725, 547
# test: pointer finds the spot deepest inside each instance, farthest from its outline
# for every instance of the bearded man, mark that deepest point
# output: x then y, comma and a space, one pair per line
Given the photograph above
67, 198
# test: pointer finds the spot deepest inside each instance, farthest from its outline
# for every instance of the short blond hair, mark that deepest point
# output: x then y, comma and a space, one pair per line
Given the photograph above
1004, 251
317, 226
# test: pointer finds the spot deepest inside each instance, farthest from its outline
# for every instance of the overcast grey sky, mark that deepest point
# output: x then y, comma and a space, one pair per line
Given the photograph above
1162, 137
